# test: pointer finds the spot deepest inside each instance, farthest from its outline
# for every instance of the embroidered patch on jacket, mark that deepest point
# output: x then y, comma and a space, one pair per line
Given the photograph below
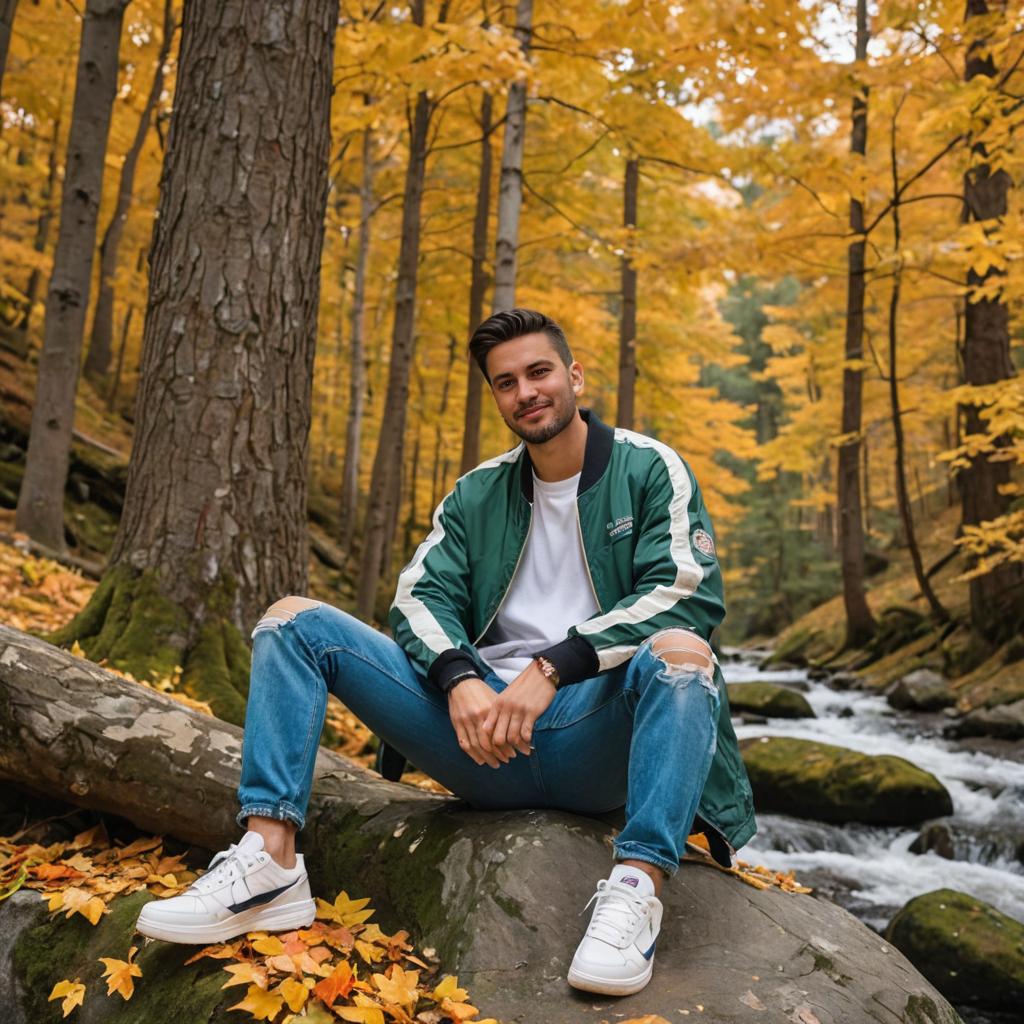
621, 527
703, 542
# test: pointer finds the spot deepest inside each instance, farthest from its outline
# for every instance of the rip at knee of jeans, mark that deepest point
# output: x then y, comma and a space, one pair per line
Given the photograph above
683, 653
284, 611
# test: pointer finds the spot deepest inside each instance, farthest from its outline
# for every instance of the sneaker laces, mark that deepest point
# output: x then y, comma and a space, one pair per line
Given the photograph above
619, 913
227, 864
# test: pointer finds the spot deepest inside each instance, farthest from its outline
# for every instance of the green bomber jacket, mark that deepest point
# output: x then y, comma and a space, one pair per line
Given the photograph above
649, 548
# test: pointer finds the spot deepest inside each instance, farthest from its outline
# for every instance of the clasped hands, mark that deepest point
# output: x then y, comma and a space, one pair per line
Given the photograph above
491, 727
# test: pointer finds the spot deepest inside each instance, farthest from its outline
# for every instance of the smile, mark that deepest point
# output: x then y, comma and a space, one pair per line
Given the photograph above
533, 413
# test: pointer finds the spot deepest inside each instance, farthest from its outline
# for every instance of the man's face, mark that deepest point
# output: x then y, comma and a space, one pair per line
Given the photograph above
535, 391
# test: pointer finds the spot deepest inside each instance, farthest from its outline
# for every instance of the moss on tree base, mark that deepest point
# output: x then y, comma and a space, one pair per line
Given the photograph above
134, 627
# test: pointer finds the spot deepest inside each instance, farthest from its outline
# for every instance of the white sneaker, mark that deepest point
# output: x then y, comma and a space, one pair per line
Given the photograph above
243, 890
616, 956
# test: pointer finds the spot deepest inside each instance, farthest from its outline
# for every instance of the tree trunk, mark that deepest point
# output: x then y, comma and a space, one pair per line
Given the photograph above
101, 343
997, 598
477, 289
438, 482
510, 188
43, 224
385, 481
902, 491
488, 890
115, 385
7, 11
214, 525
41, 501
860, 624
627, 319
357, 360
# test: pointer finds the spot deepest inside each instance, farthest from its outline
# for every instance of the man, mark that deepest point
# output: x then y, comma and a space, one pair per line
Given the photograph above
551, 650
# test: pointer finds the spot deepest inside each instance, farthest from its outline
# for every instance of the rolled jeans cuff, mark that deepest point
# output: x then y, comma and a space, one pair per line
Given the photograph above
634, 851
281, 811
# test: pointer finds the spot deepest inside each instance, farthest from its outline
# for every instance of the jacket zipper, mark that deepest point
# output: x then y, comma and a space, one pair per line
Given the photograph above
586, 563
508, 586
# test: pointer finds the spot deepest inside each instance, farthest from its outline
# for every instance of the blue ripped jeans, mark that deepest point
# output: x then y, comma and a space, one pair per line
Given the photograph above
642, 734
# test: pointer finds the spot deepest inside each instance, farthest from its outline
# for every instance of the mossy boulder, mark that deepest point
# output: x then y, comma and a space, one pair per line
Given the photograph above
768, 699
828, 783
967, 949
921, 690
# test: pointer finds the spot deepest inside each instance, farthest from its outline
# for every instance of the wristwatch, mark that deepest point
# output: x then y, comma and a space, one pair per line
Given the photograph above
548, 670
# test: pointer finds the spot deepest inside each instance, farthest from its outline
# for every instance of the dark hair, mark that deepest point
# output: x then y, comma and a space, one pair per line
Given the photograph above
514, 323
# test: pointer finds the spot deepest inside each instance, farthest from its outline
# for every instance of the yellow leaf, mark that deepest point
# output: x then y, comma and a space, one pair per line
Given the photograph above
458, 1011
78, 901
400, 988
360, 1014
73, 993
271, 945
119, 974
369, 952
246, 974
449, 989
294, 993
262, 1005
344, 910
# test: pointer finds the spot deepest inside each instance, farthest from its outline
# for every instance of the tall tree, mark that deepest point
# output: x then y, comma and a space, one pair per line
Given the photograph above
214, 521
997, 597
357, 355
40, 511
477, 289
627, 314
510, 187
902, 491
860, 624
101, 341
385, 480
8, 8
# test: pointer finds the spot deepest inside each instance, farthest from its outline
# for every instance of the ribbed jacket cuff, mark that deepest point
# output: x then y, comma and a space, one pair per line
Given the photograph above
447, 668
574, 658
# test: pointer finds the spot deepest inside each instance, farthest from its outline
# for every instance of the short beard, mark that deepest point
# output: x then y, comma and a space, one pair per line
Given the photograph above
563, 416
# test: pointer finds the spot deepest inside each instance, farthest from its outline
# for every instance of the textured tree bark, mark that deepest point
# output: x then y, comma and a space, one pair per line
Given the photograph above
477, 289
860, 624
8, 8
627, 319
997, 598
385, 481
214, 524
357, 359
40, 511
101, 341
510, 187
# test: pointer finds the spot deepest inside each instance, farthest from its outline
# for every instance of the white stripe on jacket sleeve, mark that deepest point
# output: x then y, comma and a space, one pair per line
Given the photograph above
689, 575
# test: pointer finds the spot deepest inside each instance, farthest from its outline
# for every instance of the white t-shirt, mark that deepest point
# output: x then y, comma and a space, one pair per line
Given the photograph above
551, 589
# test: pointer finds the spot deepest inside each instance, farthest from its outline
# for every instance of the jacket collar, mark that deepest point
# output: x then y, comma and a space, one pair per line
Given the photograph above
596, 456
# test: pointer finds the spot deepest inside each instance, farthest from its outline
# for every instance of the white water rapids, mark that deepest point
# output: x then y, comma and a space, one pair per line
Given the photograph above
870, 870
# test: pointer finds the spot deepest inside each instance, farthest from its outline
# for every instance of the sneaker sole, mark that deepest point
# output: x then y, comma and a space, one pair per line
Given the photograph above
609, 986
284, 918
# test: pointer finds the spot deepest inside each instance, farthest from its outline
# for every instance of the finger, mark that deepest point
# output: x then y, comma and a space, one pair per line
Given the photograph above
481, 754
499, 737
515, 734
469, 748
526, 732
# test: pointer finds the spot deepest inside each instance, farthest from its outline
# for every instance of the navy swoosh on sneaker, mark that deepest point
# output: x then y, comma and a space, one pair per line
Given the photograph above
263, 897
650, 952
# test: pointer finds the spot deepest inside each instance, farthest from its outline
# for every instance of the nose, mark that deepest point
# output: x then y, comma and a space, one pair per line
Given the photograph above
526, 391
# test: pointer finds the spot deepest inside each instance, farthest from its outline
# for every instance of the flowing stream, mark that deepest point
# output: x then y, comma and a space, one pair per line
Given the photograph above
870, 870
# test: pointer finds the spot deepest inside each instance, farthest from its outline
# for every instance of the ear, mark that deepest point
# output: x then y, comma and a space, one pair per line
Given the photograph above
576, 378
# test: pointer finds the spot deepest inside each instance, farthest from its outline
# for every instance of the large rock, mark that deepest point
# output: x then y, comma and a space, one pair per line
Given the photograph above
768, 699
968, 950
1004, 722
497, 895
923, 690
828, 783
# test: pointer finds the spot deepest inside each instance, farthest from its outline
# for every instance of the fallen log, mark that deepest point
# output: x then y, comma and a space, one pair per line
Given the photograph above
496, 894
